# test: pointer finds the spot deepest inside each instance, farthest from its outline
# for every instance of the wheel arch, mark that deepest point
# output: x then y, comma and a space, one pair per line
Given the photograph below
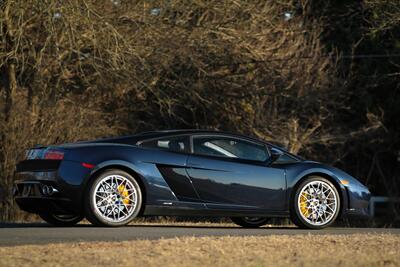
123, 166
336, 182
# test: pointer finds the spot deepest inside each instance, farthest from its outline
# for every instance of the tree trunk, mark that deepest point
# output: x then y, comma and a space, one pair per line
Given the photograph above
9, 85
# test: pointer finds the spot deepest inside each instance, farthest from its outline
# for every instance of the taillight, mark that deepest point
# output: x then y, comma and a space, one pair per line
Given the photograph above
53, 155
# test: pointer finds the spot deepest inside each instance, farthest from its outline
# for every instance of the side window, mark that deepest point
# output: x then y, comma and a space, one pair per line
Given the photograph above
173, 143
229, 148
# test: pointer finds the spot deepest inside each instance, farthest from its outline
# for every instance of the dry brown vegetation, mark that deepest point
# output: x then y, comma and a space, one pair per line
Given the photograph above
299, 250
79, 69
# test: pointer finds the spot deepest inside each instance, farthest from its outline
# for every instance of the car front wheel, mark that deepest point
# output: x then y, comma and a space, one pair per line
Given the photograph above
316, 203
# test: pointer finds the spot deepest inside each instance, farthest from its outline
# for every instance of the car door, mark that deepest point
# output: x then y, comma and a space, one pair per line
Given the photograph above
170, 159
232, 173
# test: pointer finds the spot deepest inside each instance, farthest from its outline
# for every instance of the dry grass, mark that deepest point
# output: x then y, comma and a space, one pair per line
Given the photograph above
299, 250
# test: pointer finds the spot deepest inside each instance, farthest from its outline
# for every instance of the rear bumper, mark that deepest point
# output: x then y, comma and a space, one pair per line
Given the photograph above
68, 181
31, 197
45, 205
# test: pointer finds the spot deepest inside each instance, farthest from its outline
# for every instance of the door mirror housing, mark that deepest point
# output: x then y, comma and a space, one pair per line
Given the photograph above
275, 155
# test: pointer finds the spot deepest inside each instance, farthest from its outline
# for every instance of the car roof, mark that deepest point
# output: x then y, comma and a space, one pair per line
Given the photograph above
130, 139
139, 137
162, 133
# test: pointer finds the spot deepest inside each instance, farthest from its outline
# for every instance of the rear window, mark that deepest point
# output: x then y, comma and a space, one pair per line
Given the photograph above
173, 143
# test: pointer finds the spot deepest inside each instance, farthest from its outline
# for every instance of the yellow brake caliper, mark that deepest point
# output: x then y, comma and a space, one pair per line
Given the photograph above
124, 193
303, 204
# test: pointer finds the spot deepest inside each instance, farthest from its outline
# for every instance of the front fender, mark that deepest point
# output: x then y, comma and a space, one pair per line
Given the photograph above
298, 172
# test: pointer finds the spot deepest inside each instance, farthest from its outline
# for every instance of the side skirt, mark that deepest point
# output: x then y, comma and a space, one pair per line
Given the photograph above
153, 210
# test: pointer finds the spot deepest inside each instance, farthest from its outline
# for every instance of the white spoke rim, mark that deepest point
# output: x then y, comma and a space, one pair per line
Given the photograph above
321, 203
109, 201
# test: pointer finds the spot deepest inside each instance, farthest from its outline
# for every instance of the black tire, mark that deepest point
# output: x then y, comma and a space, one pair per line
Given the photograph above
295, 212
94, 216
61, 220
250, 222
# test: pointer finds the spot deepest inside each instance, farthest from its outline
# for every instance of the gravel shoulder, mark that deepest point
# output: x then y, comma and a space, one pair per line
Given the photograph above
272, 250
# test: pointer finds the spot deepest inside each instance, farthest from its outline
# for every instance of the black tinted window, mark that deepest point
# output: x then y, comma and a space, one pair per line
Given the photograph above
229, 148
173, 143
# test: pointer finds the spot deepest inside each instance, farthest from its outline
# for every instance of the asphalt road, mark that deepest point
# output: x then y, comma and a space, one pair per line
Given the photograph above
20, 234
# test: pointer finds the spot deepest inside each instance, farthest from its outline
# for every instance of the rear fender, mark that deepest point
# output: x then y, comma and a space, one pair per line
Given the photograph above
153, 185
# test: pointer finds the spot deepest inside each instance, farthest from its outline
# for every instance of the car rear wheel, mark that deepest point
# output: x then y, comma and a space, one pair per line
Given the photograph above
61, 220
114, 199
250, 222
316, 203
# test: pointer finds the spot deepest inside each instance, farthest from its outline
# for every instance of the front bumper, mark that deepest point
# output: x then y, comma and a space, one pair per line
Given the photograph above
358, 202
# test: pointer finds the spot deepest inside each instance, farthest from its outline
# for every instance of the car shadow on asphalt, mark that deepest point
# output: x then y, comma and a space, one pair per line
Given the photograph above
206, 226
87, 225
34, 225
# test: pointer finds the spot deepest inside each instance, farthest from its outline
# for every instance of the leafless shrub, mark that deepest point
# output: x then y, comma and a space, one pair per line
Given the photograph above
82, 69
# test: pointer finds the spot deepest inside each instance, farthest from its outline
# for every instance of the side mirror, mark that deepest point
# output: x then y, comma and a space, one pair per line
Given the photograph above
275, 155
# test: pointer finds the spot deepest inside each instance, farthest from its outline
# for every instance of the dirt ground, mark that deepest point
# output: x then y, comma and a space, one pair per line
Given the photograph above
298, 250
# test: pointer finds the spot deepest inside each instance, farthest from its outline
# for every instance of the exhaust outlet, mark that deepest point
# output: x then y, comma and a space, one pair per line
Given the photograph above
45, 190
48, 190
52, 190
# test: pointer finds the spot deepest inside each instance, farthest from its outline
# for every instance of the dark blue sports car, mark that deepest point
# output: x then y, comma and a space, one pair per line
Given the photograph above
183, 173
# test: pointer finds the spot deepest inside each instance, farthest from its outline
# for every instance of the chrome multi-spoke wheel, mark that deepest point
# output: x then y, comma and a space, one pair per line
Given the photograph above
114, 199
250, 222
317, 203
